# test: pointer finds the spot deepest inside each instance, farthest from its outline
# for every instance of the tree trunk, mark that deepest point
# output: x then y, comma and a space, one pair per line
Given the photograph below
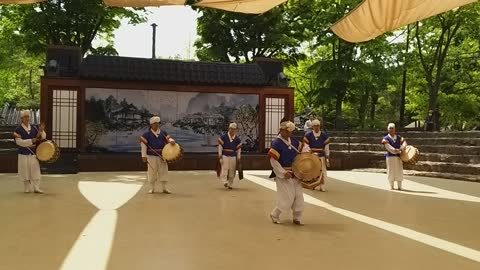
30, 84
338, 108
363, 108
372, 110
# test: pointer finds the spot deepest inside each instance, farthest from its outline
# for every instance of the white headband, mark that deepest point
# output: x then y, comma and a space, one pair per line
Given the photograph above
154, 119
24, 113
316, 122
391, 125
288, 125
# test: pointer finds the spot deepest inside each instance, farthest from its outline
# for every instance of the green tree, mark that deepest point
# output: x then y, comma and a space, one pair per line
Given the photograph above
227, 36
69, 22
434, 39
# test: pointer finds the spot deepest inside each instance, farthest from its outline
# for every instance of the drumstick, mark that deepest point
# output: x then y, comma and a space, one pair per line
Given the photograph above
149, 165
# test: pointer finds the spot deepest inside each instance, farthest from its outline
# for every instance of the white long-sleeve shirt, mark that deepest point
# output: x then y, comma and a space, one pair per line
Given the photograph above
28, 142
308, 125
277, 168
143, 147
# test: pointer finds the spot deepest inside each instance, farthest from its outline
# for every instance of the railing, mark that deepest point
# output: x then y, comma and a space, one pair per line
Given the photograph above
11, 116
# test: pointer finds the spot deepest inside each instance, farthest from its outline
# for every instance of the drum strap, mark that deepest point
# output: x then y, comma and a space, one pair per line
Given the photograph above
287, 143
153, 150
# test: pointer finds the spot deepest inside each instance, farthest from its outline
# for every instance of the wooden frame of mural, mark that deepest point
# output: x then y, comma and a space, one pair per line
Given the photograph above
49, 84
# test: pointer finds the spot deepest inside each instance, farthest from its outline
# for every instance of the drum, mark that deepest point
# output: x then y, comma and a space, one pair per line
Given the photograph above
240, 169
410, 155
172, 153
48, 151
307, 167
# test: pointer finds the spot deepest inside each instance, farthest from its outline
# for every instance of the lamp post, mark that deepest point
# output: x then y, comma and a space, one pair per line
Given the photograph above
154, 33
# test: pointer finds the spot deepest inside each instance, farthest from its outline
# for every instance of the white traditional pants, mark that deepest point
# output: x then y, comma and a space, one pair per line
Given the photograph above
324, 170
289, 196
395, 170
229, 165
157, 171
29, 171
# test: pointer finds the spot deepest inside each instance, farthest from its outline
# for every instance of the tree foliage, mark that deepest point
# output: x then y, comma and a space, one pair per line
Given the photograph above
359, 86
236, 37
69, 22
27, 30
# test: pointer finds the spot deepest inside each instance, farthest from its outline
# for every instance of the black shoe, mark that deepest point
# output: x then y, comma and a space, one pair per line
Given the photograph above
298, 222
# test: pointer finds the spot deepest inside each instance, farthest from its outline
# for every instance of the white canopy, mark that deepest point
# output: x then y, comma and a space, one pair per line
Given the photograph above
143, 3
20, 1
375, 17
241, 6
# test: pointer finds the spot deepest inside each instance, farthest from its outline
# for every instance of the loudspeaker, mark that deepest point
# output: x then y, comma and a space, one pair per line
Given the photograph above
271, 68
63, 61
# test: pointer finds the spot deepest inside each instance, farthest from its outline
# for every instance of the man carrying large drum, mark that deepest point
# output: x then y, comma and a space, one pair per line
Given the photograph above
26, 136
283, 151
394, 144
152, 143
317, 142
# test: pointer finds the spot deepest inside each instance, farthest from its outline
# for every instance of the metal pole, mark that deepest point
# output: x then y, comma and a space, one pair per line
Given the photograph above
154, 33
404, 82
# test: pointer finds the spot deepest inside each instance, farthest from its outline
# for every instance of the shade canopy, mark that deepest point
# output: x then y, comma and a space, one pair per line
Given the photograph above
143, 3
241, 6
20, 1
367, 21
375, 17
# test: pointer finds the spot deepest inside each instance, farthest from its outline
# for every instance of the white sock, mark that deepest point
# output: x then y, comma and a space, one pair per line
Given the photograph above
297, 215
276, 212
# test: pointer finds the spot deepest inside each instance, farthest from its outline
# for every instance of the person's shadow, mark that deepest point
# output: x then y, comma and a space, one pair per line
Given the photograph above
416, 191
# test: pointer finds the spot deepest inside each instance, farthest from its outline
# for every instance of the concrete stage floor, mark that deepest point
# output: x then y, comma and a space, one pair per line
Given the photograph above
97, 221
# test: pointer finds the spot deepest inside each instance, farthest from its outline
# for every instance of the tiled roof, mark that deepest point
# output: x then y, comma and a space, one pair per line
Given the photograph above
170, 71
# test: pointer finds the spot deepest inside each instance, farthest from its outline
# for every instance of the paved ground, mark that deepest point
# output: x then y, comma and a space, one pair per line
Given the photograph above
107, 221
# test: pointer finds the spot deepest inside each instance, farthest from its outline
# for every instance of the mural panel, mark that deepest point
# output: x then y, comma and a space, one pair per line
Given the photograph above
115, 119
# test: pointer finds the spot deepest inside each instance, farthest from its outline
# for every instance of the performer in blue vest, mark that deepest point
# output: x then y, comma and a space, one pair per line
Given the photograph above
289, 189
229, 153
152, 143
318, 143
394, 144
26, 136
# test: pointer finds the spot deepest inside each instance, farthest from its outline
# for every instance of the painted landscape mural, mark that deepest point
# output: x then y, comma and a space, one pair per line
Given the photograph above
115, 119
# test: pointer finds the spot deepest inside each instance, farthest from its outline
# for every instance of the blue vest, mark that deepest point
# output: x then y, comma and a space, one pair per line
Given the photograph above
396, 144
20, 132
230, 148
317, 145
279, 151
154, 144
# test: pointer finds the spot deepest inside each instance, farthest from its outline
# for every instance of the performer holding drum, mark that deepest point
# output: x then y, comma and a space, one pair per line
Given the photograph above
317, 142
394, 144
229, 154
283, 151
26, 136
152, 143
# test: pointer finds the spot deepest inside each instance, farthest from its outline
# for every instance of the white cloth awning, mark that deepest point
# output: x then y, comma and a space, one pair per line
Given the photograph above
20, 1
241, 6
375, 17
143, 3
